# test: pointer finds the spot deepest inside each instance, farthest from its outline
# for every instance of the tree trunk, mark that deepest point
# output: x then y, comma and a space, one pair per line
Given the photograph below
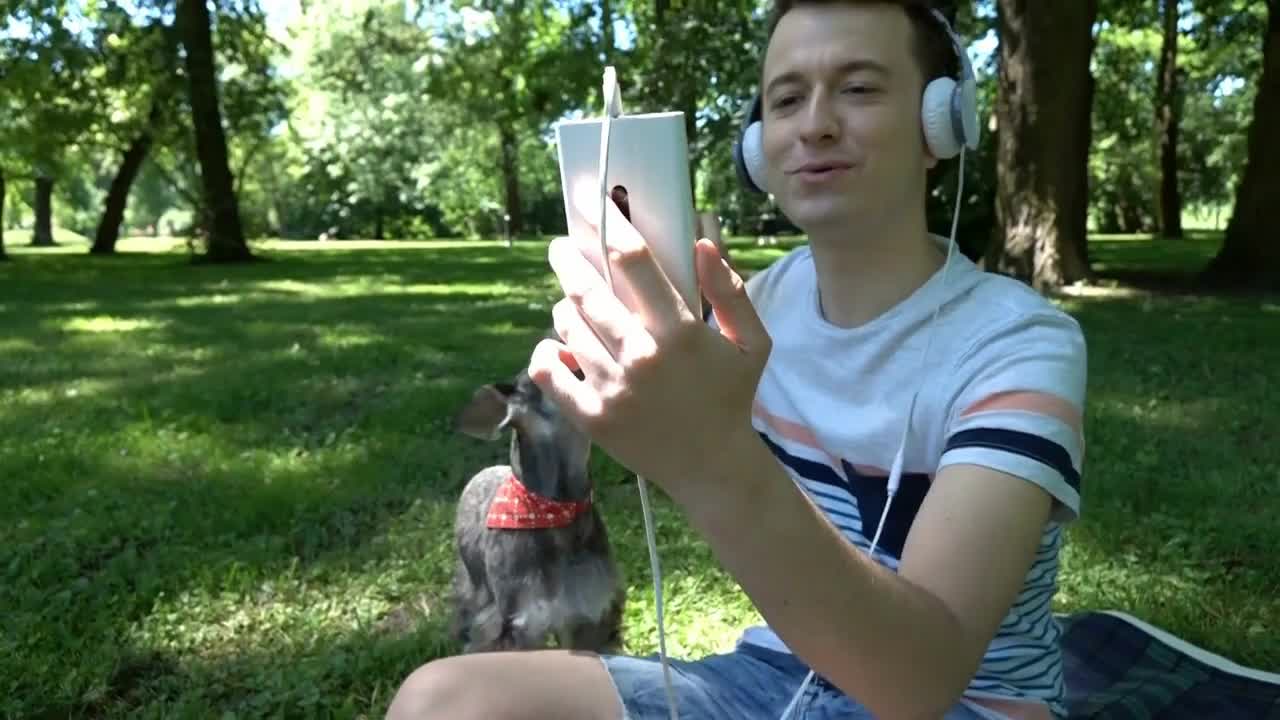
43, 236
225, 241
511, 175
1169, 202
1044, 89
606, 29
1084, 130
1250, 254
377, 222
3, 254
104, 242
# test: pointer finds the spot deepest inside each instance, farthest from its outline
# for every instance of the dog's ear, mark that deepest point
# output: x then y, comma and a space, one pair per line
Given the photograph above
488, 413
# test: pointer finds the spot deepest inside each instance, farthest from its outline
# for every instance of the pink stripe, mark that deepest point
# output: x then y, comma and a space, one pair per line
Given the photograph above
802, 435
794, 432
1029, 401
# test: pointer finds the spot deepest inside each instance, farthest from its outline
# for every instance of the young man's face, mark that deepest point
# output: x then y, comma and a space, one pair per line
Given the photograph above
842, 135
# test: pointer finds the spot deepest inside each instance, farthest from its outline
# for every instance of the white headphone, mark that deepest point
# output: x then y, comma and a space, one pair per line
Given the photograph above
948, 116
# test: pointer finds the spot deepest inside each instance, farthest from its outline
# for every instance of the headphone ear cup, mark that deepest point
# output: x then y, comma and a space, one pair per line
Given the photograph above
751, 165
936, 118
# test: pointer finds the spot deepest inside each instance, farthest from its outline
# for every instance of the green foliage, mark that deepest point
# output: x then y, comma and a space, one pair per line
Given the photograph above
49, 88
1123, 174
1218, 54
383, 117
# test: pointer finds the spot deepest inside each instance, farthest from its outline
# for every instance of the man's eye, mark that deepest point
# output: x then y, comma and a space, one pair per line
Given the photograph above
859, 89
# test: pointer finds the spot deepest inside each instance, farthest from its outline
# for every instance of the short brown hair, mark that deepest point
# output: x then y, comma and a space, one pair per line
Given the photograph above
933, 49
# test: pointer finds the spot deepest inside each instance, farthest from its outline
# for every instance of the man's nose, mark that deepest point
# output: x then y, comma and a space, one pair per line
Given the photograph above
820, 121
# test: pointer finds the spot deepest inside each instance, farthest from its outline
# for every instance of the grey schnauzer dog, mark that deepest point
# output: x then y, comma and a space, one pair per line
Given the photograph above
534, 558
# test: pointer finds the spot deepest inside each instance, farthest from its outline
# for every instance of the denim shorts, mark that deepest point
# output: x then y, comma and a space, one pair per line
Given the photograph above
750, 683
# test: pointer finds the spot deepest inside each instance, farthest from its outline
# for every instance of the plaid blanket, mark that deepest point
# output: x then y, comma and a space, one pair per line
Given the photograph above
1117, 666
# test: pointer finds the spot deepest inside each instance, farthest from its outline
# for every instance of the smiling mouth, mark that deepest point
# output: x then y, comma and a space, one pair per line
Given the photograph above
820, 172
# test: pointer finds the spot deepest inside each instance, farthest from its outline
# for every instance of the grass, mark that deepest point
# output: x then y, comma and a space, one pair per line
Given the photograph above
231, 487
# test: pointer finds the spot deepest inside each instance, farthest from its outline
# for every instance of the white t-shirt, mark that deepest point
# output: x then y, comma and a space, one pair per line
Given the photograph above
1005, 388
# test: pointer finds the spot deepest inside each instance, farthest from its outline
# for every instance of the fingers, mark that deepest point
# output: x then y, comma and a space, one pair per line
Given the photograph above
639, 280
549, 370
727, 294
589, 354
619, 330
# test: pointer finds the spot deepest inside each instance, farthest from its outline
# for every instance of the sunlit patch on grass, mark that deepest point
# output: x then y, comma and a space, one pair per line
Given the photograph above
345, 338
384, 286
504, 329
339, 246
63, 396
108, 324
212, 300
491, 289
17, 345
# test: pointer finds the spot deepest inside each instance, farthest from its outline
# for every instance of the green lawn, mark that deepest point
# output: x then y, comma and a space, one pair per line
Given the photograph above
231, 487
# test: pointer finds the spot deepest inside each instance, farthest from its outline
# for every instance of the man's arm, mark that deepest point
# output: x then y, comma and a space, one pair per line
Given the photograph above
904, 645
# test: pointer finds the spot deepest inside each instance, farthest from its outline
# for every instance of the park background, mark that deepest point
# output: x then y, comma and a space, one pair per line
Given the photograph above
257, 254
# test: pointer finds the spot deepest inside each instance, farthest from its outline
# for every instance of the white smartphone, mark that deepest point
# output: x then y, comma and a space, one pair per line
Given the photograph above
648, 176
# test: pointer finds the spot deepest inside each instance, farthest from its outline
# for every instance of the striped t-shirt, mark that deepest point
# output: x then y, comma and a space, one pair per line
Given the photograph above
1005, 388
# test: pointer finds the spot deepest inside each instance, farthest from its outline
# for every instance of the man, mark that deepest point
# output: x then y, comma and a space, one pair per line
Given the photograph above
802, 386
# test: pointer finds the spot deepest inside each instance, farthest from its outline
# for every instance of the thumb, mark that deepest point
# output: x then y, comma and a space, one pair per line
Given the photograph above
727, 294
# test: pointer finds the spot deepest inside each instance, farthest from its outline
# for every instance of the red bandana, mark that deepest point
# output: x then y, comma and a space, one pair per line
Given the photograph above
516, 507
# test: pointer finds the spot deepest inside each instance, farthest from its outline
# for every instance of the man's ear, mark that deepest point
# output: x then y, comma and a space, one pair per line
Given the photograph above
487, 414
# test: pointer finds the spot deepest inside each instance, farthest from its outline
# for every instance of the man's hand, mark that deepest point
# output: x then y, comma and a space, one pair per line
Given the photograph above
662, 392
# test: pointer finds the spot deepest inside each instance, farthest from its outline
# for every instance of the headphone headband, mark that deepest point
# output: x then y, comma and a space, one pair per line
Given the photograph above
957, 46
948, 115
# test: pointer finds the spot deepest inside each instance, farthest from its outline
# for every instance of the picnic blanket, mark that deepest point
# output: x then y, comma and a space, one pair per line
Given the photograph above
1117, 666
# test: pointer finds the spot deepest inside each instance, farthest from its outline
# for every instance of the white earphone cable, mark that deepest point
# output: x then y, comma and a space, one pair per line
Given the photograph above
612, 109
895, 473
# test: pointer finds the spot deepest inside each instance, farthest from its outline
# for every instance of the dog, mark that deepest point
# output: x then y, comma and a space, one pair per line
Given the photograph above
534, 559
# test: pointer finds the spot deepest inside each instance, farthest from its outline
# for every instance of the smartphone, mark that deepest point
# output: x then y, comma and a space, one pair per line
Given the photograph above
648, 178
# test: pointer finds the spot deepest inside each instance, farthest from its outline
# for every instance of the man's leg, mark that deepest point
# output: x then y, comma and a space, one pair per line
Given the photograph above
509, 686
583, 686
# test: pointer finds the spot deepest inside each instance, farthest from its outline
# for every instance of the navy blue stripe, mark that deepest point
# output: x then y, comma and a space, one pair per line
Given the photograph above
869, 495
821, 491
808, 469
1025, 444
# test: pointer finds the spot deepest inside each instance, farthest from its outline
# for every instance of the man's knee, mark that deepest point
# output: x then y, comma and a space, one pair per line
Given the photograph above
438, 689
508, 686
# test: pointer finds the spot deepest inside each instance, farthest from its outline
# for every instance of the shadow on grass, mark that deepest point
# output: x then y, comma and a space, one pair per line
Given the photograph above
1162, 266
1183, 460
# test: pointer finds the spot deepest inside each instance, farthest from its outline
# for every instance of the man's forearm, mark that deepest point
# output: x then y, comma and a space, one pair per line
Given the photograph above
888, 643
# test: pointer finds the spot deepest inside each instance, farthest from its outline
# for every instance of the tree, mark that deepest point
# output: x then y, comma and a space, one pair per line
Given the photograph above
104, 240
516, 68
225, 235
1043, 113
138, 72
1250, 254
1168, 117
676, 65
3, 254
47, 82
